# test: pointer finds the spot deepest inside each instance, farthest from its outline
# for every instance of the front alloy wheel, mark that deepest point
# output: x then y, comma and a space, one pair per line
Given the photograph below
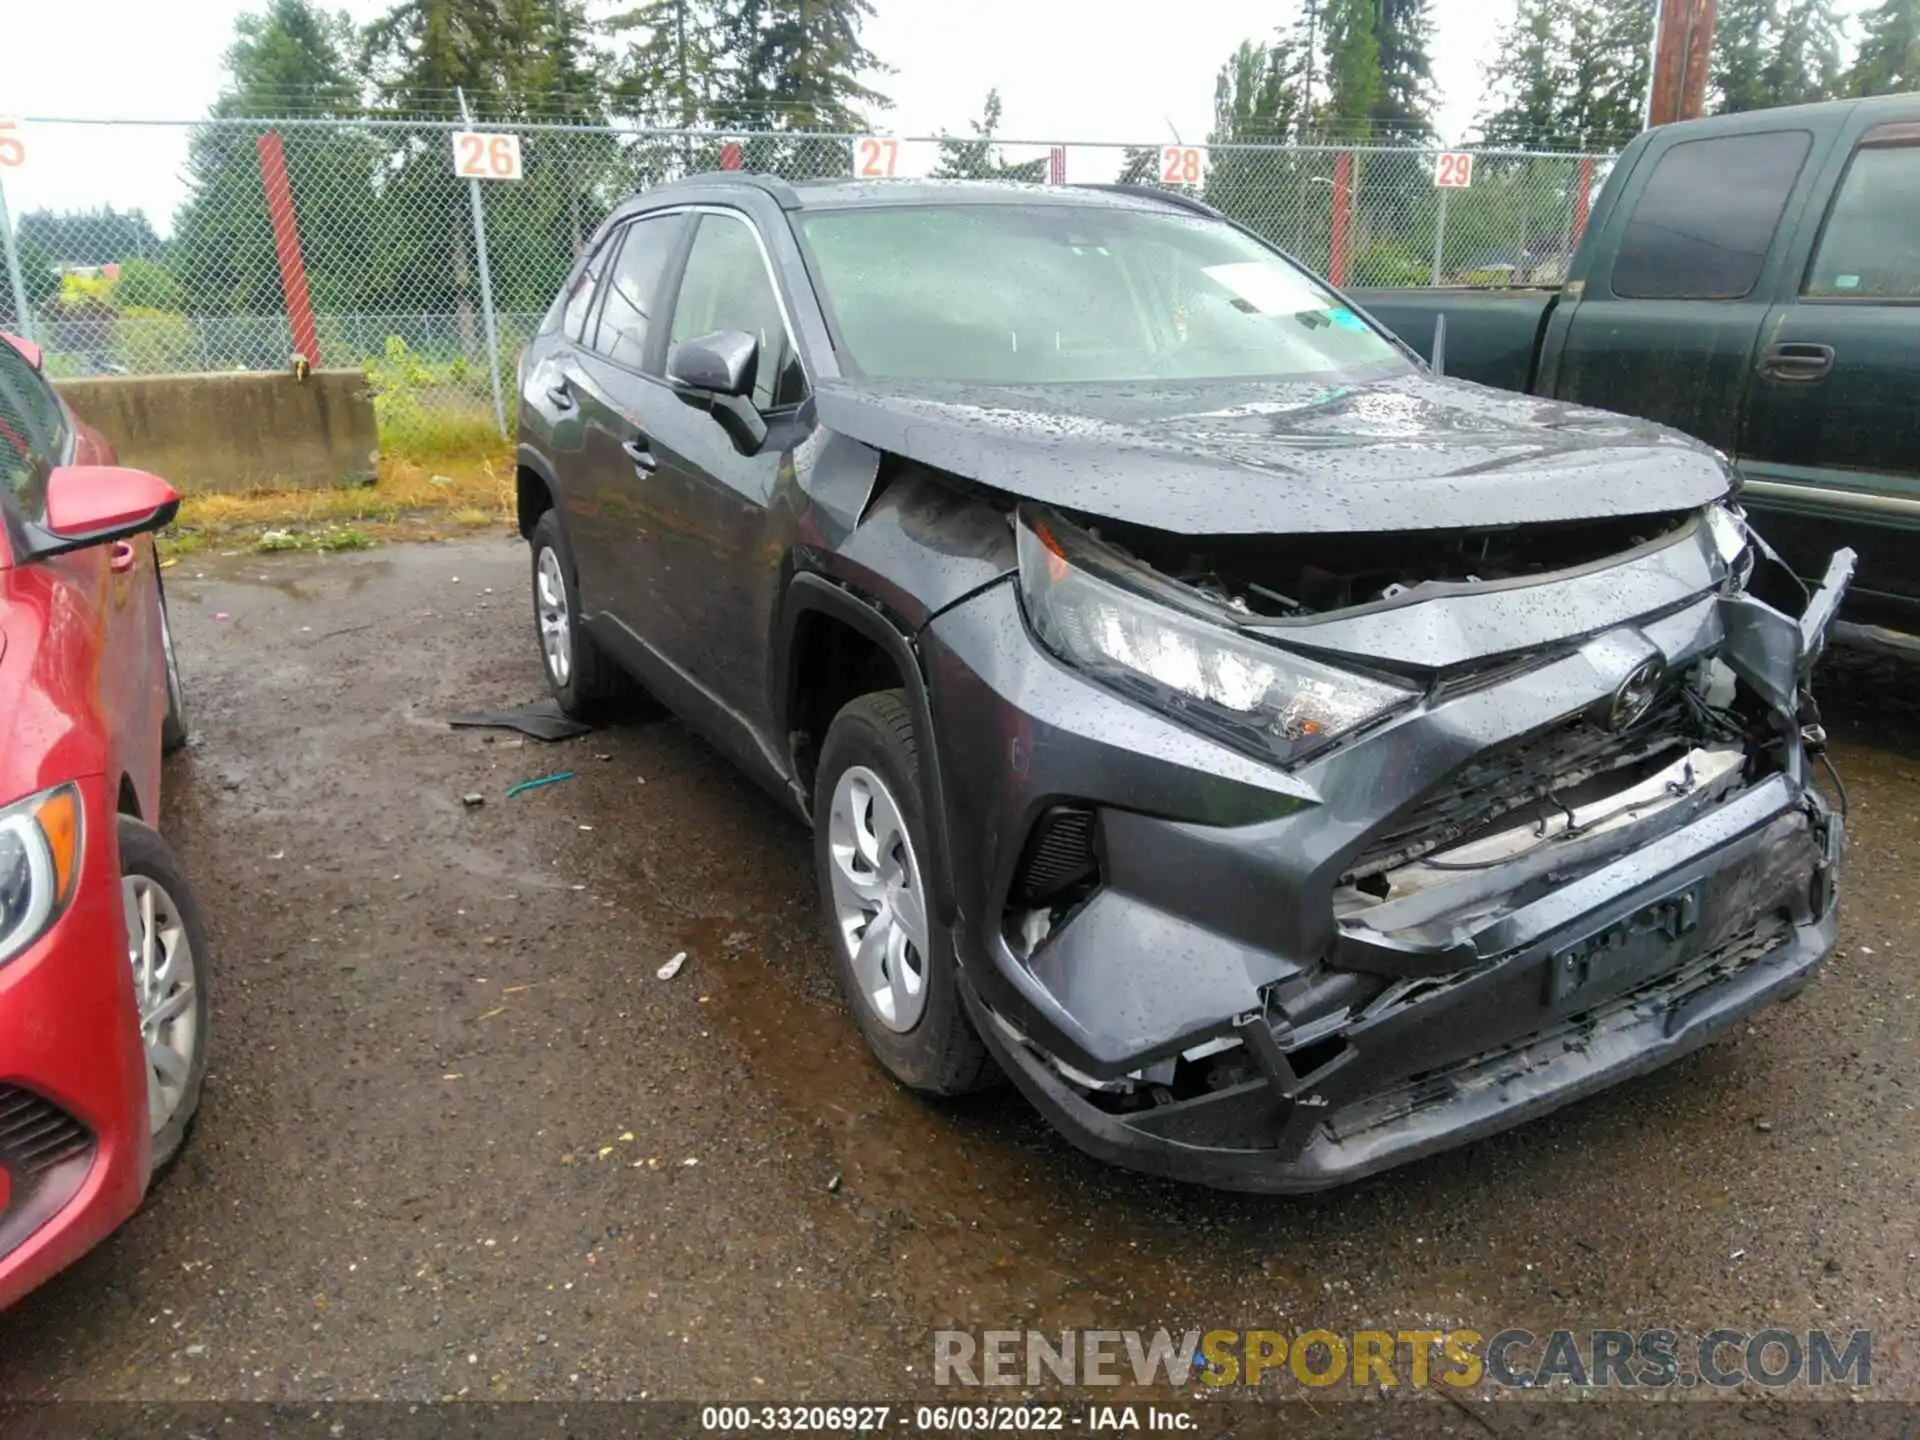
164, 984
880, 906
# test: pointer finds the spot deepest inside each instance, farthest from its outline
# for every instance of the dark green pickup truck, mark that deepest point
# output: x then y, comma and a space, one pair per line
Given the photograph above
1753, 280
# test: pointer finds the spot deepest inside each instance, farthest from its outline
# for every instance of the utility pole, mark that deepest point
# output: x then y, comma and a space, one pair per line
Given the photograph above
1682, 47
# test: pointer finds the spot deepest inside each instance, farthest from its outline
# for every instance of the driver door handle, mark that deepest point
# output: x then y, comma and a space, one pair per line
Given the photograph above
1793, 360
122, 557
643, 459
561, 396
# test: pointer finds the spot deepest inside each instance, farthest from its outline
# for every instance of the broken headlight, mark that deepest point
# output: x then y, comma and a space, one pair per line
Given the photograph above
1091, 607
1728, 527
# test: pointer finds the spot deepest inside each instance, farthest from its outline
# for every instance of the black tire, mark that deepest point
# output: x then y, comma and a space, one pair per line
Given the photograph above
595, 686
941, 1054
173, 726
144, 853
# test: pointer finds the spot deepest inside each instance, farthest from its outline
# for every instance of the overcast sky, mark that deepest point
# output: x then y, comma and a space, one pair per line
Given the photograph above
1066, 69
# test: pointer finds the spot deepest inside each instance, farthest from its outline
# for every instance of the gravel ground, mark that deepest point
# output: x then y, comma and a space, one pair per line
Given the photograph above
458, 1140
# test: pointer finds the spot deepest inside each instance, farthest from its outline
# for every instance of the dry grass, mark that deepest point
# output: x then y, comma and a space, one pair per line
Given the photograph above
412, 499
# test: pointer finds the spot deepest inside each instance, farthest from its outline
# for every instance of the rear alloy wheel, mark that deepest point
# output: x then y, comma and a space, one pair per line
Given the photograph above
167, 950
585, 683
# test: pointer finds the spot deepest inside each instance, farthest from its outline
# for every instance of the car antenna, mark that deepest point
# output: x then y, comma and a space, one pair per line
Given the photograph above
1439, 361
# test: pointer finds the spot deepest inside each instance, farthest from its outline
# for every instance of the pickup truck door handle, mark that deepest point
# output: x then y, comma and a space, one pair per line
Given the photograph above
643, 458
561, 396
1791, 360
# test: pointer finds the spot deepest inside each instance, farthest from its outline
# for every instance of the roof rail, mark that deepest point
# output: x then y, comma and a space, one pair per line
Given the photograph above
782, 193
1154, 192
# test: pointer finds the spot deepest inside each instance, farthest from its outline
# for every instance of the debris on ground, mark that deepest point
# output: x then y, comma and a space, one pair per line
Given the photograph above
833, 1185
540, 719
544, 780
672, 967
473, 799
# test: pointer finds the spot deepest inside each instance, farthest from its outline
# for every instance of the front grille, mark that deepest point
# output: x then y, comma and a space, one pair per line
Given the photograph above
1512, 1061
1518, 773
1059, 856
36, 1134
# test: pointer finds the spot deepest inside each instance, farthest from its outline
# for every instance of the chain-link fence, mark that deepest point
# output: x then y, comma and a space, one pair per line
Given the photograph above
379, 234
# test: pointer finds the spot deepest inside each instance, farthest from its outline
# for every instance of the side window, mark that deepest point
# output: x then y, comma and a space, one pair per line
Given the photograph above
632, 281
727, 287
580, 299
1703, 225
33, 432
1871, 245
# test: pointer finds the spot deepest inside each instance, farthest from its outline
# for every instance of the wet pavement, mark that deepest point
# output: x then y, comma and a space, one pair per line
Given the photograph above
458, 1139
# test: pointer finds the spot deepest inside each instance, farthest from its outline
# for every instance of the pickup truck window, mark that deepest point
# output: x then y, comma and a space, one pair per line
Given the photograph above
1707, 216
1870, 248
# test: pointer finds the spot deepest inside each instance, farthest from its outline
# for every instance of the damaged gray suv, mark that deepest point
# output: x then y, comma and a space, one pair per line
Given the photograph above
1280, 761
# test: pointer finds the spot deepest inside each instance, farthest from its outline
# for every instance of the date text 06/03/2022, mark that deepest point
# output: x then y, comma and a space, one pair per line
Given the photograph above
943, 1419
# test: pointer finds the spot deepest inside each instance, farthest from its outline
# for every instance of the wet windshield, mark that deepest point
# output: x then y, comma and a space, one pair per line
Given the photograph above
1009, 294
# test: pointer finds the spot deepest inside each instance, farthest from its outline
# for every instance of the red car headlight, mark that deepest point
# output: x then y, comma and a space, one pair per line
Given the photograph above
39, 865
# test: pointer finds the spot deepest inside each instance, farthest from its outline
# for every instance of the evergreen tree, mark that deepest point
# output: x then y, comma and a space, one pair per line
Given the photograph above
1525, 74
1744, 34
1355, 86
1889, 56
1805, 63
1139, 165
291, 56
798, 64
102, 236
1403, 31
1568, 73
671, 72
977, 159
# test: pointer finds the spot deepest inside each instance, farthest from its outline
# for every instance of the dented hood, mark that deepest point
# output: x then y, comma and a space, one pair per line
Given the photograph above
1412, 452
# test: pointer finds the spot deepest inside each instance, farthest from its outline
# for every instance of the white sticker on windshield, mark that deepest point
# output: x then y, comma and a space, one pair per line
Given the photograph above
1266, 288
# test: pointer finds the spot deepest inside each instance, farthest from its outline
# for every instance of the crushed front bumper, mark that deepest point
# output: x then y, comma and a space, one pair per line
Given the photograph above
1213, 926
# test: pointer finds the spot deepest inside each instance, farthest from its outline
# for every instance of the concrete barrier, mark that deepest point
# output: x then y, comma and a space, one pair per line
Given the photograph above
239, 431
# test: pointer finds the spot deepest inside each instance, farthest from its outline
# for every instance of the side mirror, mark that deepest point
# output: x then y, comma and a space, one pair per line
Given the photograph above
95, 504
29, 351
715, 373
723, 363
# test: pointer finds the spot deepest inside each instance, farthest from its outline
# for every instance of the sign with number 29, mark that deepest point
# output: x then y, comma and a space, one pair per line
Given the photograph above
1455, 171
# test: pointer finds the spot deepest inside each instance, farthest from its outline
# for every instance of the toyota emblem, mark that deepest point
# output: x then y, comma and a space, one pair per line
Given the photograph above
1635, 696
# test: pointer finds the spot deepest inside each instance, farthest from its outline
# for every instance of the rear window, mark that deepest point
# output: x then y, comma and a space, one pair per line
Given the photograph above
1012, 293
33, 431
1702, 227
1871, 246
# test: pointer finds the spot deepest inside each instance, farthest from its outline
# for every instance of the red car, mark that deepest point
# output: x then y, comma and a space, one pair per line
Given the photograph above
103, 959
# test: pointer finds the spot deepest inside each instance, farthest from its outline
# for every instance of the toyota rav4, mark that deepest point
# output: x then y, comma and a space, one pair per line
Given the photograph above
1280, 760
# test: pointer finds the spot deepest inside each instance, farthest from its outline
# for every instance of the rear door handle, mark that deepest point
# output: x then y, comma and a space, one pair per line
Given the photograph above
643, 458
561, 396
1792, 360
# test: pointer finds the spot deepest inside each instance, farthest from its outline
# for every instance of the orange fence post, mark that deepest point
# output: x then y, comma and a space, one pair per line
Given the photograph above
1342, 216
1582, 200
286, 244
